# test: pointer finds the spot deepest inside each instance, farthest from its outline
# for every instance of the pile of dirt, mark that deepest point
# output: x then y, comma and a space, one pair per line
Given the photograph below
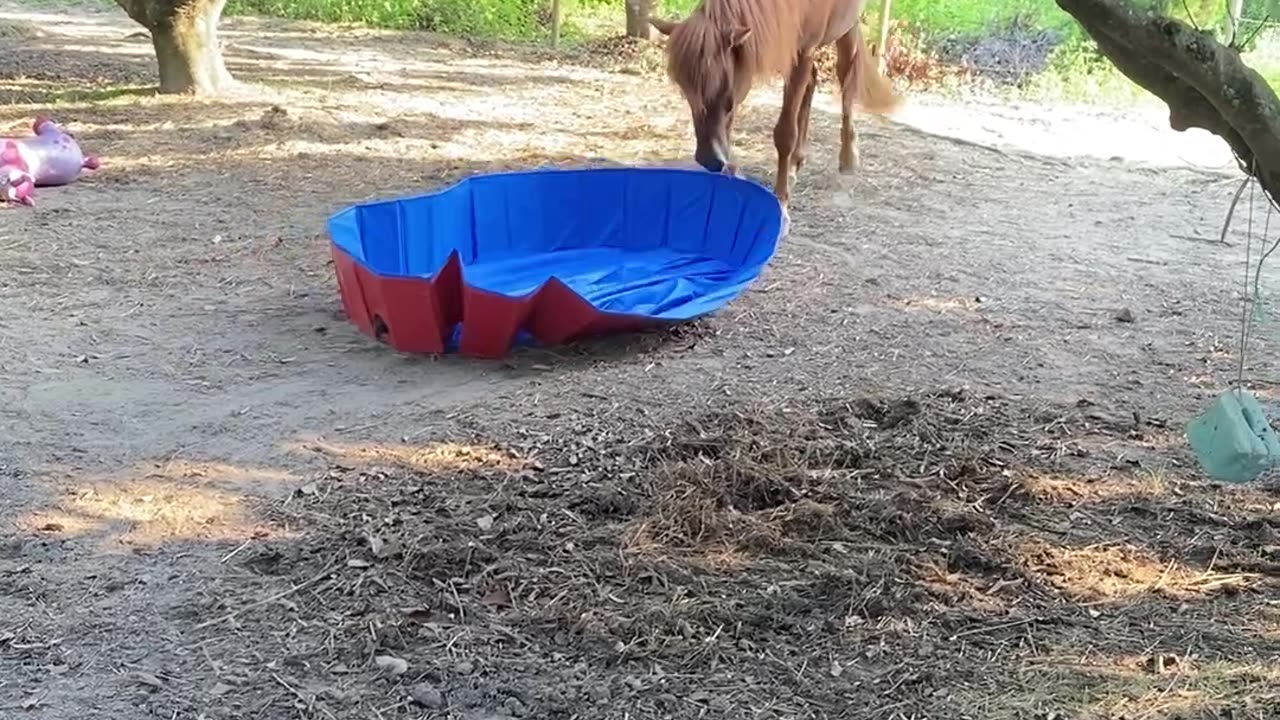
19, 30
1013, 55
619, 53
909, 557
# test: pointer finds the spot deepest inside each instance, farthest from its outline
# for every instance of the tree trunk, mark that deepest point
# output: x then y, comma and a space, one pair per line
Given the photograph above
638, 13
185, 36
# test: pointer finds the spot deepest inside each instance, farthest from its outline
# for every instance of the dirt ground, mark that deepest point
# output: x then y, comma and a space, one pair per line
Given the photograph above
929, 466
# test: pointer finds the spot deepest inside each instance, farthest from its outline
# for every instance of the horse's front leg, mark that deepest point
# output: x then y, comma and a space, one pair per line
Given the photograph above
731, 167
740, 92
802, 123
786, 132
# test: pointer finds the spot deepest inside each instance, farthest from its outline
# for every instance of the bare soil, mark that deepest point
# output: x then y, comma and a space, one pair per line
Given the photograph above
930, 466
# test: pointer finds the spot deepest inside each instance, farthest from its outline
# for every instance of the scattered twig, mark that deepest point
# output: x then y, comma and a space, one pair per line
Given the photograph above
1197, 239
226, 558
267, 601
992, 628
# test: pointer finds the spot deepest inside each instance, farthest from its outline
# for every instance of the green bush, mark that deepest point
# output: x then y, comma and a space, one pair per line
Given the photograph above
974, 17
675, 8
504, 18
493, 18
379, 13
511, 19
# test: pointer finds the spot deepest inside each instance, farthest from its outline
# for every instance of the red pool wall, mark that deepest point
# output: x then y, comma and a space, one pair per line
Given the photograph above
416, 315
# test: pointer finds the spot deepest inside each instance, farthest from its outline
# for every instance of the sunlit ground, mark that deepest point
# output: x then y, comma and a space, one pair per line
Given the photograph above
180, 501
427, 458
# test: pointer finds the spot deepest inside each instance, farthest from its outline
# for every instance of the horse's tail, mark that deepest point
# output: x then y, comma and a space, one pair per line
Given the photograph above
871, 89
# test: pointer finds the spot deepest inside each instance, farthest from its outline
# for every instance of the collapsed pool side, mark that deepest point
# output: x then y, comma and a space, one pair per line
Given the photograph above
402, 264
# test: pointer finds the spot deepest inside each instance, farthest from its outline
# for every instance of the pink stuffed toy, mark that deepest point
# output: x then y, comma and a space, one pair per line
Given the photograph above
51, 157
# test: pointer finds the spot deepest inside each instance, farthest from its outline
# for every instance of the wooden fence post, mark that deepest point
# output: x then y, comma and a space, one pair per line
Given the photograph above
1235, 8
555, 23
885, 8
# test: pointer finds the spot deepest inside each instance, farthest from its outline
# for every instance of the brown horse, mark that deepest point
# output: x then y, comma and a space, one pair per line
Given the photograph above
719, 51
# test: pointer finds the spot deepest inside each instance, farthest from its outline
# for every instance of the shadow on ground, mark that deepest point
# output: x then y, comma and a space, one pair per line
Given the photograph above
96, 66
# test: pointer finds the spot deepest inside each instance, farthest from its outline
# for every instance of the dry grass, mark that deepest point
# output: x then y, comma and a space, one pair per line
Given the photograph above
785, 559
1067, 489
1094, 573
19, 30
432, 458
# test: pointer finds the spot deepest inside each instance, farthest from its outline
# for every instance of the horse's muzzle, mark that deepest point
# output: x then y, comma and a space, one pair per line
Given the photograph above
710, 161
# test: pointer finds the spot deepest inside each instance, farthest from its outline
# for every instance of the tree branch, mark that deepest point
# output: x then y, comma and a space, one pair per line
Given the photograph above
1204, 83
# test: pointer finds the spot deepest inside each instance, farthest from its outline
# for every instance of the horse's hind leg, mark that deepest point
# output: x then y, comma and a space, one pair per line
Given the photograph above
802, 123
847, 72
787, 132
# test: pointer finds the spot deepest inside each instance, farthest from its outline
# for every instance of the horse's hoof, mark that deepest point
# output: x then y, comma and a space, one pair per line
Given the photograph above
849, 165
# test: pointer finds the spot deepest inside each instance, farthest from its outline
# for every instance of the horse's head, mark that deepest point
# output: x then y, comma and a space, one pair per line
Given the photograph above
707, 63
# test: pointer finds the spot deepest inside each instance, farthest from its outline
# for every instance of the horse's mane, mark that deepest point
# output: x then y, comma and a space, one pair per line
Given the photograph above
700, 41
